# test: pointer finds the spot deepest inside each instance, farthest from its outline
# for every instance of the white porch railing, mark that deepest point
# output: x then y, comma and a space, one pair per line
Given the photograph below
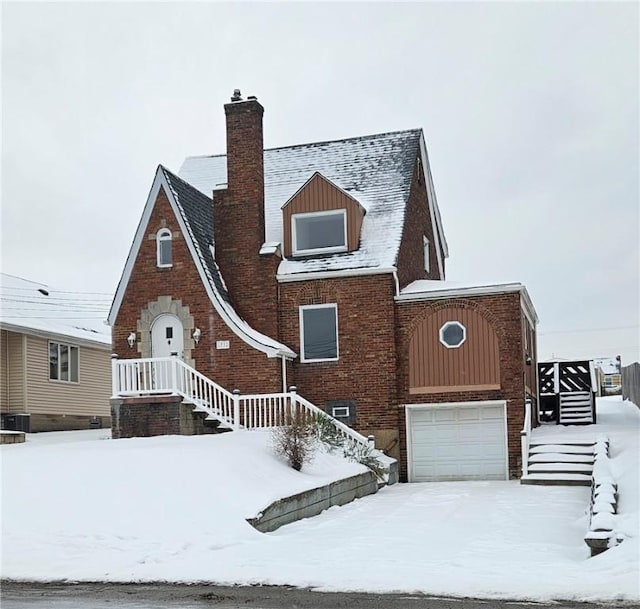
152, 376
525, 437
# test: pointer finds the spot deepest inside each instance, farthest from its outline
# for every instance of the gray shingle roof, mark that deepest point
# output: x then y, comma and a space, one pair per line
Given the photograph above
195, 209
376, 170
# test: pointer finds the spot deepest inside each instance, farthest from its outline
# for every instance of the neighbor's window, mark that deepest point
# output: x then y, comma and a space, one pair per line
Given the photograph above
425, 243
63, 362
163, 241
319, 333
319, 232
453, 334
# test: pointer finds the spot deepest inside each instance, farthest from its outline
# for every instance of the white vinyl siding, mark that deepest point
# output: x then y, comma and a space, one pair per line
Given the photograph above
13, 372
88, 397
457, 442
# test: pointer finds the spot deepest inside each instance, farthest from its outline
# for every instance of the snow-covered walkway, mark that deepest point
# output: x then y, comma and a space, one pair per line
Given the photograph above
173, 509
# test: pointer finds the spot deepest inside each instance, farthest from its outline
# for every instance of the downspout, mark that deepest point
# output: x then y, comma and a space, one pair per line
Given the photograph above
397, 282
284, 374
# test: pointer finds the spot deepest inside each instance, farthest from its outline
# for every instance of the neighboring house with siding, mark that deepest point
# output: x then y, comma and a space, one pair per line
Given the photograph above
322, 266
54, 358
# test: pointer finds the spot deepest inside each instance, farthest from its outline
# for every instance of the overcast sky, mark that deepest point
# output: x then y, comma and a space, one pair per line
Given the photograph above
530, 113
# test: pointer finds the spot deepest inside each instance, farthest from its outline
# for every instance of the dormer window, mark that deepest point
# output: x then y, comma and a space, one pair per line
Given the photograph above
163, 243
319, 232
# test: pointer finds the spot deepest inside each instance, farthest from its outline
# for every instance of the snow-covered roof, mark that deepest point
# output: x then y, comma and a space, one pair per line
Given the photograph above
376, 170
194, 212
607, 365
425, 289
35, 308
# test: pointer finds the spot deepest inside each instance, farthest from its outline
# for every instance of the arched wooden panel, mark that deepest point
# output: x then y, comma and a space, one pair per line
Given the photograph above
434, 368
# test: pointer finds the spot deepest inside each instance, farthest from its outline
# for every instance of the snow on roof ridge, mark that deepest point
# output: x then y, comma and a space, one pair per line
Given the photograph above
321, 143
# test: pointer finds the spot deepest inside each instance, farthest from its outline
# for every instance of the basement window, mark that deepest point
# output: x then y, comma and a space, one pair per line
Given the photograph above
64, 362
319, 333
453, 334
163, 242
319, 232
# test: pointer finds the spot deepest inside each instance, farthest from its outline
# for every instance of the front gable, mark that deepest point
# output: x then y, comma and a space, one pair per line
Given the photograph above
189, 211
320, 198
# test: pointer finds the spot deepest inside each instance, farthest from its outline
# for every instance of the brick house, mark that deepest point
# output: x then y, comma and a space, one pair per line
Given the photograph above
323, 266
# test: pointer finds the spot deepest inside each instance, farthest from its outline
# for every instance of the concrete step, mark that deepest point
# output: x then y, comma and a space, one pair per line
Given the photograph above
560, 458
560, 468
557, 479
577, 449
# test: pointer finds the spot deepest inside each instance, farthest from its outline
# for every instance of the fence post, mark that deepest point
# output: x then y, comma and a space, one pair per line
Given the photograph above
236, 410
114, 374
371, 441
293, 399
174, 373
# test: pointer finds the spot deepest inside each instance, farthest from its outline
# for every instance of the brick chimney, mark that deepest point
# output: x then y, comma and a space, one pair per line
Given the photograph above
238, 213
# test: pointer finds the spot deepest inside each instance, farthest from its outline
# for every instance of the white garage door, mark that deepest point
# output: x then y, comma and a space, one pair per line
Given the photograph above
457, 442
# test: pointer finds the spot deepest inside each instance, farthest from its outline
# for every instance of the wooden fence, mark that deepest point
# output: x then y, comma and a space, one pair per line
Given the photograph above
631, 383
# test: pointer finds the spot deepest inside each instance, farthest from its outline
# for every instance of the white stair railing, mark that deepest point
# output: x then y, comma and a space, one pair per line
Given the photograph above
150, 376
525, 437
156, 375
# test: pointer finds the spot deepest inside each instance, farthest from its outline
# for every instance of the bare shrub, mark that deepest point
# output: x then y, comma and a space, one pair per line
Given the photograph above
295, 440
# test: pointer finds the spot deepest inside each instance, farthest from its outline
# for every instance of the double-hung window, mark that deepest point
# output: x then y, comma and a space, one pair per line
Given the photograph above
163, 241
319, 333
320, 232
63, 362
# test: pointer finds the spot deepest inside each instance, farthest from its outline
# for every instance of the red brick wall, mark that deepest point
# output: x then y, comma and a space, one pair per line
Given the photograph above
239, 221
417, 225
240, 366
504, 313
366, 368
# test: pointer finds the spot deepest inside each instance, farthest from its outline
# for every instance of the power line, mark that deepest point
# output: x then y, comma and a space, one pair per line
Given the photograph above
588, 330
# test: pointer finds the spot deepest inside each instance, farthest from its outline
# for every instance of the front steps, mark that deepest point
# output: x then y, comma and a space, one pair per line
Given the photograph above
560, 464
576, 408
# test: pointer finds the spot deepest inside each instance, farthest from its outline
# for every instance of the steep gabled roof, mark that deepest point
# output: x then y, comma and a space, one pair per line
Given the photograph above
376, 170
194, 213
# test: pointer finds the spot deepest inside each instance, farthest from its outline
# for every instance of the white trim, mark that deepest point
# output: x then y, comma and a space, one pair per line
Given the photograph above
443, 405
57, 337
239, 327
326, 179
480, 290
164, 234
434, 211
344, 409
444, 326
301, 310
310, 275
426, 252
69, 347
318, 250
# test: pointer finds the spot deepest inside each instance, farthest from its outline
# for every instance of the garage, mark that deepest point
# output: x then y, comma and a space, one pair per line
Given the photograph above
457, 441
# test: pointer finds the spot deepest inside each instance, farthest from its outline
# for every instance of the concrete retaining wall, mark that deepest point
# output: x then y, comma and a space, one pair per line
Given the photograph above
312, 502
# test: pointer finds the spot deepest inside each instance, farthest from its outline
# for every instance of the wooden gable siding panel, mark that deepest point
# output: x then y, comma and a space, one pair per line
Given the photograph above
433, 366
321, 195
13, 382
89, 397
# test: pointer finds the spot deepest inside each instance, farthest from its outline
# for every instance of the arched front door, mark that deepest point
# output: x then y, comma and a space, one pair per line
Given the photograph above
166, 336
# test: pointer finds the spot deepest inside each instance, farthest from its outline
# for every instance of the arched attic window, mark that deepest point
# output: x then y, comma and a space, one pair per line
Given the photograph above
163, 243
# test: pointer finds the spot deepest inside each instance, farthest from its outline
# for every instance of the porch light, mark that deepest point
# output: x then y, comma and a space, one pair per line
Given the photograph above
131, 339
196, 335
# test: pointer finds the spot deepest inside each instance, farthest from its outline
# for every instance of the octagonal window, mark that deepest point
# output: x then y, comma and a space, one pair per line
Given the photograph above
453, 334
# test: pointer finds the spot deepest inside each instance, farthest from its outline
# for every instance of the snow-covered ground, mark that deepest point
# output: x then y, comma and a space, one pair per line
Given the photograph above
173, 508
